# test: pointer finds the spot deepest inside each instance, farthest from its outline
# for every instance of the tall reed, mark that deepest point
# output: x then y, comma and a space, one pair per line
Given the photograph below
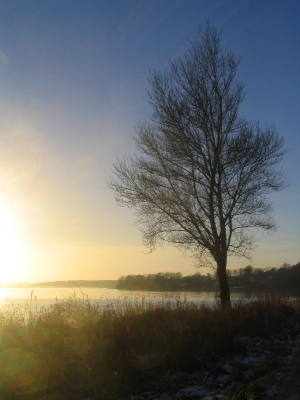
78, 347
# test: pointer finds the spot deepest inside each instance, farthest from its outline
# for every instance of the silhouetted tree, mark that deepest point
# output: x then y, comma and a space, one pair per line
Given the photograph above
202, 175
248, 270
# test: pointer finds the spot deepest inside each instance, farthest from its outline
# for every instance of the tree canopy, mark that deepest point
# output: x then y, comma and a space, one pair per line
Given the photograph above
202, 174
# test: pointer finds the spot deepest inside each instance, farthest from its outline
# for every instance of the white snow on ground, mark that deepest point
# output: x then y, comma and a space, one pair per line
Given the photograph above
213, 387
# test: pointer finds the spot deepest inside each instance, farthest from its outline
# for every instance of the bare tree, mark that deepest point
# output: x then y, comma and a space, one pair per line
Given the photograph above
202, 175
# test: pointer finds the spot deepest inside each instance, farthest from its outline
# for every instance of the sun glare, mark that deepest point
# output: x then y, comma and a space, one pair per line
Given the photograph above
12, 248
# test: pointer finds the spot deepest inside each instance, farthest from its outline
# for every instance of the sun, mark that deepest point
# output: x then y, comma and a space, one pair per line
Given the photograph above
12, 249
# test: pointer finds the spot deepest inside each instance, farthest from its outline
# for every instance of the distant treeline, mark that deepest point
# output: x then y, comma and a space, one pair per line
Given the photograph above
165, 282
286, 278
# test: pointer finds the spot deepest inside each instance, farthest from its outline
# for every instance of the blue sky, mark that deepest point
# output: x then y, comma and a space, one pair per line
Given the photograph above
73, 84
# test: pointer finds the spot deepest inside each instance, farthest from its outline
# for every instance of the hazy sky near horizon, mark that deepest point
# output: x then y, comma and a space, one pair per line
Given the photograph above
73, 84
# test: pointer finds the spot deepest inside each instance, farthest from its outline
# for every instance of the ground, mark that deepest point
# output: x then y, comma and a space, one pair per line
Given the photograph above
258, 373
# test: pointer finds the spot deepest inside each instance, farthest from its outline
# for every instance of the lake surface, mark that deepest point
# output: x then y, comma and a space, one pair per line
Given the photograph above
47, 296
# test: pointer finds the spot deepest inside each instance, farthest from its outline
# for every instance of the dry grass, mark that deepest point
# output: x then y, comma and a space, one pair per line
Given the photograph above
106, 349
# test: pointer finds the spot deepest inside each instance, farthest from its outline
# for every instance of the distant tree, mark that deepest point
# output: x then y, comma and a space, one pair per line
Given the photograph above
178, 275
248, 270
259, 271
203, 174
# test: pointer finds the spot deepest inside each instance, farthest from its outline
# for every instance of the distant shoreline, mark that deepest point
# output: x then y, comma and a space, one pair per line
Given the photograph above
109, 284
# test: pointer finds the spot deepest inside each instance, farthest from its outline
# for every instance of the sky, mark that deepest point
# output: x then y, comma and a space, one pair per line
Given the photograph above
73, 86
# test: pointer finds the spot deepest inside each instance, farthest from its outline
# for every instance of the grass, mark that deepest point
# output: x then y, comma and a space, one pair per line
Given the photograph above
110, 349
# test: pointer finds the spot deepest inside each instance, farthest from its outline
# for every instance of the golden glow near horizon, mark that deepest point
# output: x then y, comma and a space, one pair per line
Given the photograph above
20, 191
12, 247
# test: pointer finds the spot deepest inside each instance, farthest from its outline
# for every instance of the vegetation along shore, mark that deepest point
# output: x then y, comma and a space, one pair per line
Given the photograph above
132, 348
285, 279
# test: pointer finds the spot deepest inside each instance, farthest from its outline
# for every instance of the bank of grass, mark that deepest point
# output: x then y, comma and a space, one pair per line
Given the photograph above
109, 349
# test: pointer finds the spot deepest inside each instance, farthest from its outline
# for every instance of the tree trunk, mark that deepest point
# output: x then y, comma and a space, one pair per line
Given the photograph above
223, 282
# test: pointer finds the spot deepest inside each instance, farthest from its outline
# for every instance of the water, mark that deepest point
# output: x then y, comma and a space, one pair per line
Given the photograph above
49, 295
